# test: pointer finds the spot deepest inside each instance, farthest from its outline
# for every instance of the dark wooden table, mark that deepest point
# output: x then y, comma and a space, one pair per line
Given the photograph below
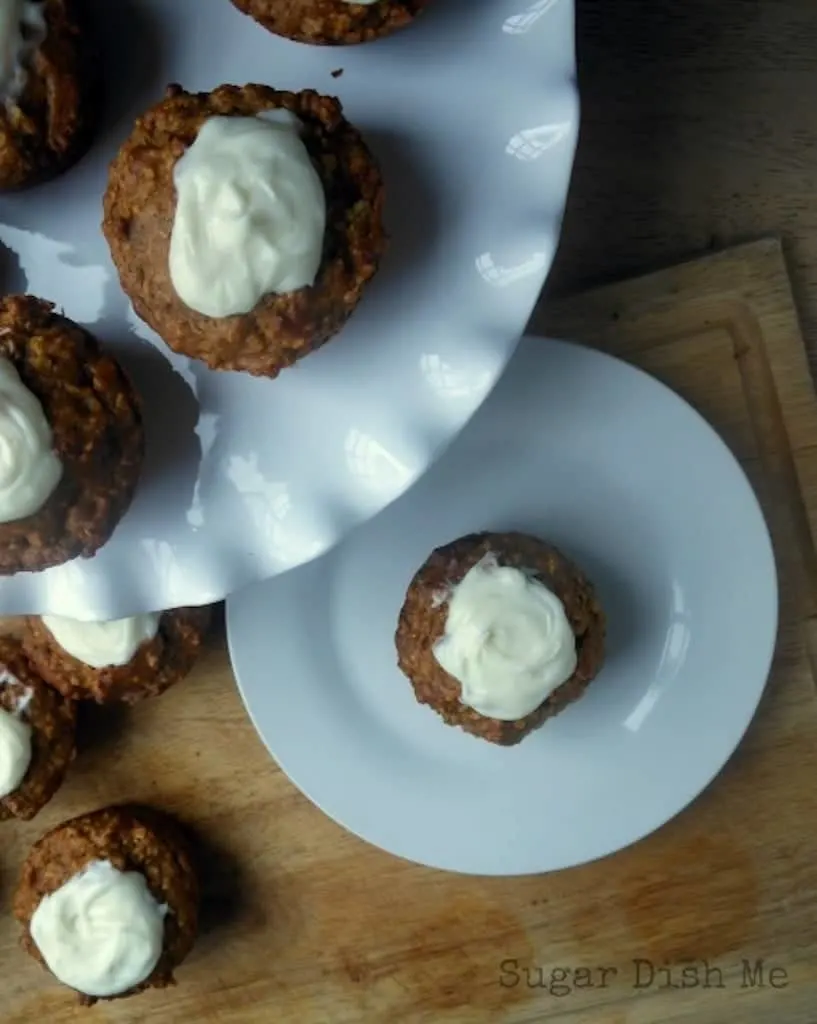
699, 130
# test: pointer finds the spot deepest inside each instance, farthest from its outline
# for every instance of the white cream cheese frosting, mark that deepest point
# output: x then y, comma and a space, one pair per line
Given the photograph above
102, 932
29, 468
250, 214
15, 737
103, 644
15, 751
17, 45
507, 641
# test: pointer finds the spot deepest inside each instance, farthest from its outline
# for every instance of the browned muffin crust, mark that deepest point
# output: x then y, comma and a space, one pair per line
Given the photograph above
51, 125
95, 417
156, 666
331, 22
140, 204
425, 610
53, 731
132, 839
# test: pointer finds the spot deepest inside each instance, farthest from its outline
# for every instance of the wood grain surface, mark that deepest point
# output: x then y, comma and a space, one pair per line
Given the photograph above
305, 924
698, 131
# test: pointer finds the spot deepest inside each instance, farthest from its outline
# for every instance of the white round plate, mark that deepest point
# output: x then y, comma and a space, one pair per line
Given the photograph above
608, 464
473, 114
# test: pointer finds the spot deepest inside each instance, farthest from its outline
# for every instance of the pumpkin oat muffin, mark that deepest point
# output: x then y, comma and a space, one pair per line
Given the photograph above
498, 633
37, 736
49, 84
244, 223
124, 660
332, 22
109, 902
71, 439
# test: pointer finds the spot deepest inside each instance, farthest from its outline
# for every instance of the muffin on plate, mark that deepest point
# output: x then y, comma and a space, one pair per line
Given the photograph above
109, 902
71, 439
48, 89
332, 22
37, 736
121, 660
499, 632
244, 223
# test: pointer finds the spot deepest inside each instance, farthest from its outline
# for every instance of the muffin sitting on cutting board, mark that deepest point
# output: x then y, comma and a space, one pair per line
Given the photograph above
244, 223
48, 89
332, 22
71, 439
109, 902
121, 660
37, 736
499, 632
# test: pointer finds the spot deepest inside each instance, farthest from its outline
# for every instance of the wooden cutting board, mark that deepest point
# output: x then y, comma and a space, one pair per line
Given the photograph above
306, 924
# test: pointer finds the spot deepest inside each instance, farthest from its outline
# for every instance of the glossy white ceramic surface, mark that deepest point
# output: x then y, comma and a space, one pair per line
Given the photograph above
473, 113
620, 473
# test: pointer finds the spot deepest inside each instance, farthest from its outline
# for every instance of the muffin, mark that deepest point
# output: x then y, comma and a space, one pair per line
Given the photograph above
244, 223
109, 902
498, 633
48, 89
37, 736
71, 439
122, 660
332, 22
